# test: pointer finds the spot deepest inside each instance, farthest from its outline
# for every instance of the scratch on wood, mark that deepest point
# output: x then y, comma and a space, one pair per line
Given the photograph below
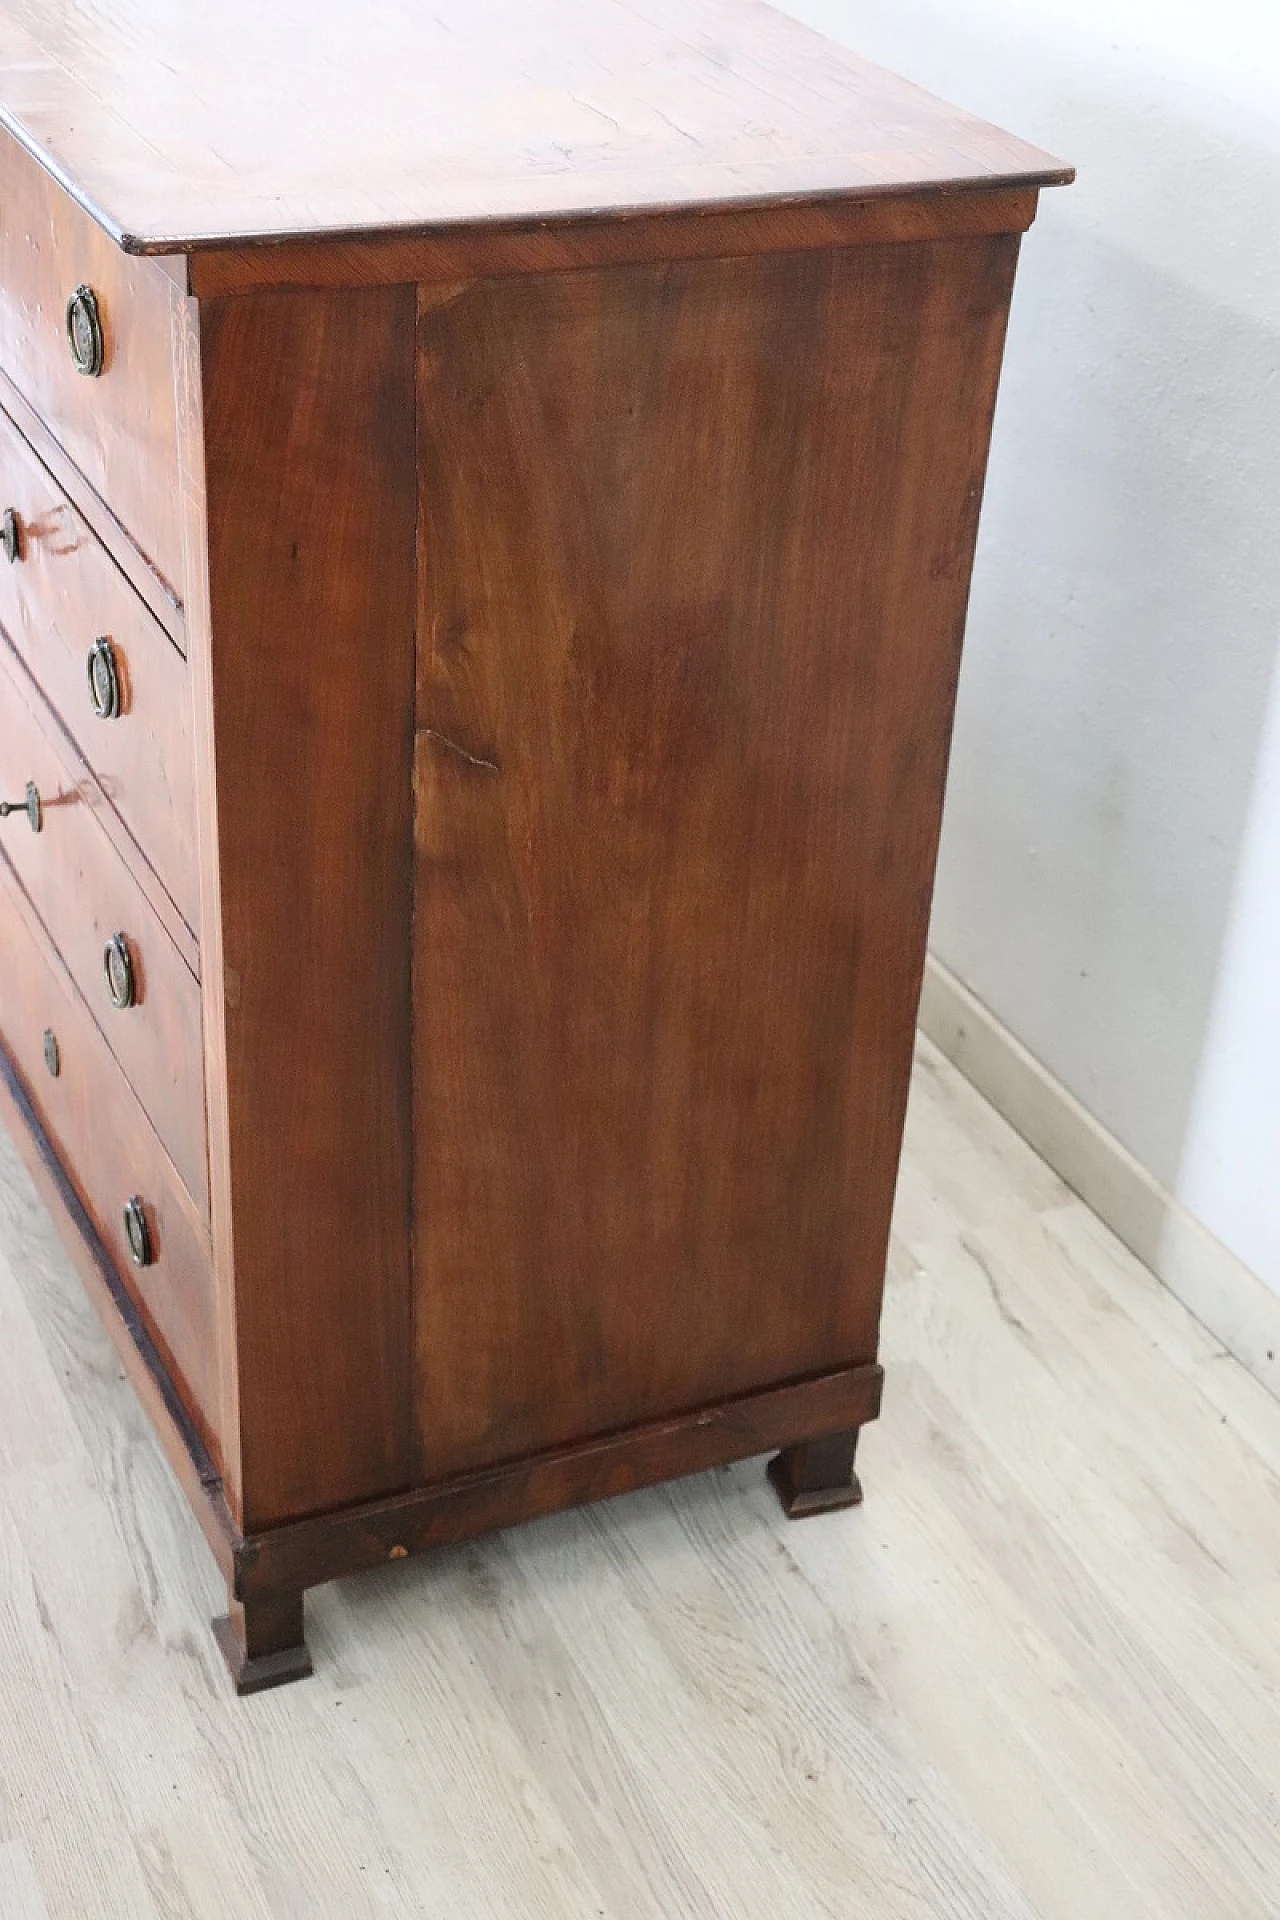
472, 759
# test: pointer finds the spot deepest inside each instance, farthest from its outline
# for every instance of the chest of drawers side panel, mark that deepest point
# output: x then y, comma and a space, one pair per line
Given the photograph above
311, 507
696, 554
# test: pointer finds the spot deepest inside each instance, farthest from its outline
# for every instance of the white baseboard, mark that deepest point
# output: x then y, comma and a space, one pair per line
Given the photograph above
1223, 1293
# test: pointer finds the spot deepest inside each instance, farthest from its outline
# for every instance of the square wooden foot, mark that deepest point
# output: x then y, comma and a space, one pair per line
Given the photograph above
262, 1643
817, 1476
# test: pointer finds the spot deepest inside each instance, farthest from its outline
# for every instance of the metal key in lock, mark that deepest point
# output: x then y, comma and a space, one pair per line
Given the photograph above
30, 806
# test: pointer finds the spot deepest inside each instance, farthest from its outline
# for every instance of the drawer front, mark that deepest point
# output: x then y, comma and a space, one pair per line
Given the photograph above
120, 426
108, 1148
86, 897
61, 597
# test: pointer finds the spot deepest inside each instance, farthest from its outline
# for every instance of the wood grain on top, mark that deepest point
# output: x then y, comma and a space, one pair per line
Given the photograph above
183, 126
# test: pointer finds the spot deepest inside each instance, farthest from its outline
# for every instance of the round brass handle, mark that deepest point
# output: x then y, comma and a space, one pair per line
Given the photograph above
84, 332
11, 535
137, 1232
104, 679
117, 965
30, 805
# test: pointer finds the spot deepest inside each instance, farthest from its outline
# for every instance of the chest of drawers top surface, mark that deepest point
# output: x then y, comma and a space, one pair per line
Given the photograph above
182, 127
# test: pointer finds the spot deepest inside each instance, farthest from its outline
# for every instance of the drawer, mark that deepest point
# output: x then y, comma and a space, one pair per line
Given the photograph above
108, 1148
61, 597
120, 426
87, 898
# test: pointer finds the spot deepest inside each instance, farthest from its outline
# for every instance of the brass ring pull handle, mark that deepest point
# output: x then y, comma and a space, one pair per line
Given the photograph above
84, 332
104, 679
30, 806
117, 965
11, 536
138, 1233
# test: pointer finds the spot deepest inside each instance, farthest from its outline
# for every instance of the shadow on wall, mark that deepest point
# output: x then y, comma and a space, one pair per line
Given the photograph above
1124, 632
1125, 620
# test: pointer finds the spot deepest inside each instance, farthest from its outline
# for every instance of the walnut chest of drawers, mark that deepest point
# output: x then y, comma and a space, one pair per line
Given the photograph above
489, 501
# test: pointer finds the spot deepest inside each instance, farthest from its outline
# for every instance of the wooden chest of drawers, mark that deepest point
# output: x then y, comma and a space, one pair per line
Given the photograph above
485, 555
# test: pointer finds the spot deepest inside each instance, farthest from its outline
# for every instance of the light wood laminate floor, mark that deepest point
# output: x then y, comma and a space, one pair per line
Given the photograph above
1037, 1673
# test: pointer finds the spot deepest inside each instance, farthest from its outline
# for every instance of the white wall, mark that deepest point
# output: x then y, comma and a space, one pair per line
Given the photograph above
1110, 878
